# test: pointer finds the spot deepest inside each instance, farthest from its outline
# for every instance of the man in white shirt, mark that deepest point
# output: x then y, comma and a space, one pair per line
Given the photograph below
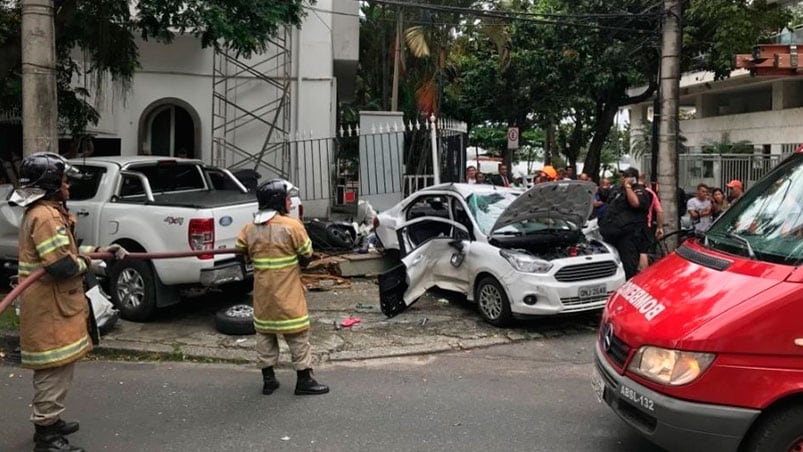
699, 209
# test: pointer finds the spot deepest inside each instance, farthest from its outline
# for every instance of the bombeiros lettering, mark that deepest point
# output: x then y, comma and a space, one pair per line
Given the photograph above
641, 300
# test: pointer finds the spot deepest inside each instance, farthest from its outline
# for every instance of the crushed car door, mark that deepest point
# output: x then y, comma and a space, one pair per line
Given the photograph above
433, 250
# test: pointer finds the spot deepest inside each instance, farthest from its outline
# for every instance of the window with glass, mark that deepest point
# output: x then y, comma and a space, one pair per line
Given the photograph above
767, 222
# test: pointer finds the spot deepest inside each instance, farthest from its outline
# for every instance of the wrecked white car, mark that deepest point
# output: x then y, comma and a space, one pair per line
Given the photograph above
515, 254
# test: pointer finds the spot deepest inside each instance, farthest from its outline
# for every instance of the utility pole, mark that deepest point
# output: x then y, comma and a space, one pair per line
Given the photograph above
668, 131
394, 100
39, 103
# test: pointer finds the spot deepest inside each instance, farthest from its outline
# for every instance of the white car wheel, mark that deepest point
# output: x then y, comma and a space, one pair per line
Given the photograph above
492, 302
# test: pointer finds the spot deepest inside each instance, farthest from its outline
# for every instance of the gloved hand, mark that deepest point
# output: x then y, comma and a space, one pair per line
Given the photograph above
119, 252
96, 266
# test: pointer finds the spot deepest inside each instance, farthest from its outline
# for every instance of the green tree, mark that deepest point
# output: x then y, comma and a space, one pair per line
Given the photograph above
106, 31
726, 146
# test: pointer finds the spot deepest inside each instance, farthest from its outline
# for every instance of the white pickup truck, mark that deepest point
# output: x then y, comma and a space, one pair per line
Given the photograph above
153, 204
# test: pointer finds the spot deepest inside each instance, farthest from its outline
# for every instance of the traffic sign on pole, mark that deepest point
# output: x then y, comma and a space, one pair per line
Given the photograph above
513, 138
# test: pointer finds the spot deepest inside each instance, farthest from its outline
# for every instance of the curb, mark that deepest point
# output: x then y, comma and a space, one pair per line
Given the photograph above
247, 356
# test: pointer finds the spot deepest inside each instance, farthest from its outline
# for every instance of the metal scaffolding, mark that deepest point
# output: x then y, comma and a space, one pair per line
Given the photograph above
251, 109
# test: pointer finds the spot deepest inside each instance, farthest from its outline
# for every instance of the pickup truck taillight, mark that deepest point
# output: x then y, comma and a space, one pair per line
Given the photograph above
201, 235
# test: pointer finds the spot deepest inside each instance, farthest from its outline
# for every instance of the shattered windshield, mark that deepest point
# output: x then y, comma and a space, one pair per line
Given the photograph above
767, 223
487, 207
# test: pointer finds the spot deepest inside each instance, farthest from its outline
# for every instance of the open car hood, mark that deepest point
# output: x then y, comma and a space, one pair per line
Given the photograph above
565, 200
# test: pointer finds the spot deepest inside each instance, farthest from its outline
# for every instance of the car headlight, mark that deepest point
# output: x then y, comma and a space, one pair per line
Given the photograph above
669, 367
525, 262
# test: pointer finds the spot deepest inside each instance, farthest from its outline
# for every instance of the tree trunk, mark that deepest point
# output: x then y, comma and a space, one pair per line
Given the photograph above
670, 93
39, 103
602, 128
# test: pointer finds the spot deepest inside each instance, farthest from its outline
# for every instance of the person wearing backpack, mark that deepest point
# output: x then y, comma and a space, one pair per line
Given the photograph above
625, 222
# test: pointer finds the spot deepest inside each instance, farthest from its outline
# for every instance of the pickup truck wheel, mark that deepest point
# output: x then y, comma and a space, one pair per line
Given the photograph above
492, 302
778, 432
235, 320
133, 289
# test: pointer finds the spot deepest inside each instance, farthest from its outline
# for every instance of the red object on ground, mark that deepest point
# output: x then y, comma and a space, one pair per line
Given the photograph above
349, 322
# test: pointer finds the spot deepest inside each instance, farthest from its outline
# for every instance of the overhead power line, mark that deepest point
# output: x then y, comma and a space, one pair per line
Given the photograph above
554, 19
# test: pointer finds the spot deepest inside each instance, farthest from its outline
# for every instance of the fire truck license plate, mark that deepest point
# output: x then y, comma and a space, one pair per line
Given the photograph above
635, 397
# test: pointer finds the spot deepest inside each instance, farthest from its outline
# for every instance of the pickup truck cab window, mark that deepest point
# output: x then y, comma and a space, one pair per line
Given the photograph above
86, 185
171, 177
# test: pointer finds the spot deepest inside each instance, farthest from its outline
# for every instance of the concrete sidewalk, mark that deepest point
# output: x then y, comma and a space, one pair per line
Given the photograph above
436, 323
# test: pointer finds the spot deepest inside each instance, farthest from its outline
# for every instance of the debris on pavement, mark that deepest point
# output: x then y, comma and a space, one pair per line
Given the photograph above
423, 321
351, 321
324, 282
362, 307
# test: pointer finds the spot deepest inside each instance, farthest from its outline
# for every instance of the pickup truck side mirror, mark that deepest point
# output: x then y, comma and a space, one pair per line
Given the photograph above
456, 244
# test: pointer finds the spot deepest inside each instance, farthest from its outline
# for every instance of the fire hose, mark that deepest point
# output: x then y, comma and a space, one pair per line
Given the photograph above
38, 273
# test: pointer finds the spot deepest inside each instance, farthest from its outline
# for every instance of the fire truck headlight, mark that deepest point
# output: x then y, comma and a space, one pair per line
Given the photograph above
670, 367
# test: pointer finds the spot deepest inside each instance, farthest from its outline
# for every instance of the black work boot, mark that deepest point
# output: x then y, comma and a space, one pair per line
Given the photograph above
306, 385
59, 427
53, 442
269, 381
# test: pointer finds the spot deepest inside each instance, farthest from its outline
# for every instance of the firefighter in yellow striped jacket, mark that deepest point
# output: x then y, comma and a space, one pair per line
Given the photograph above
55, 319
278, 246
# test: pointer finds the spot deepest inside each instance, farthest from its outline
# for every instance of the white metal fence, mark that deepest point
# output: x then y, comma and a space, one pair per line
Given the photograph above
716, 170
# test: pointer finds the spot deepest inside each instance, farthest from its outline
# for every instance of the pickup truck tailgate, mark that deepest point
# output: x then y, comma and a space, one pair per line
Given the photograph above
228, 222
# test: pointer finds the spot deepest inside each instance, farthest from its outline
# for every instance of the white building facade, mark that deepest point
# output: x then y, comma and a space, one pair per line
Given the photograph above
186, 100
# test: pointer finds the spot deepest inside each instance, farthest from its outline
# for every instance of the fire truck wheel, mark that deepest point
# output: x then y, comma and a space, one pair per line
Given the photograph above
780, 431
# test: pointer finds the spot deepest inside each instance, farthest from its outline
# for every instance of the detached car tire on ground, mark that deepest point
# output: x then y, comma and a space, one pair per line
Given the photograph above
235, 320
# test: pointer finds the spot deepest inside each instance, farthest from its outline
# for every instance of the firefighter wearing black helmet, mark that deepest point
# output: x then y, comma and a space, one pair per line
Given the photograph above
55, 316
278, 246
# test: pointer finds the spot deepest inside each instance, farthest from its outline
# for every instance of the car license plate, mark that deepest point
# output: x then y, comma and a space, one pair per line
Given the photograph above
597, 384
592, 291
638, 399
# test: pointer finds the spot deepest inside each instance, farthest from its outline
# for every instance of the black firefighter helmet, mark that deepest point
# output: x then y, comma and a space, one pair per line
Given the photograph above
272, 194
45, 170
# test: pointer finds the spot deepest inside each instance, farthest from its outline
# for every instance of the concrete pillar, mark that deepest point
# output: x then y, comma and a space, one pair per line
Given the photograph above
39, 104
706, 105
778, 88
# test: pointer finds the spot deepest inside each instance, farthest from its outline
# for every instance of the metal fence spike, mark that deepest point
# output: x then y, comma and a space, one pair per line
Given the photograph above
373, 128
381, 129
357, 129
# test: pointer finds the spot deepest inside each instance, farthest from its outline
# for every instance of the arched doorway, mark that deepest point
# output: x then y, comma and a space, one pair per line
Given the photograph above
170, 127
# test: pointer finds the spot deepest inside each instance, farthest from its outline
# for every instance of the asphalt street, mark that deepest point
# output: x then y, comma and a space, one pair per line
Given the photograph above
529, 396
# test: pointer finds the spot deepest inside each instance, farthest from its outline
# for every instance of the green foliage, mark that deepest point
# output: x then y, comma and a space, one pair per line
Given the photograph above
726, 146
716, 30
105, 32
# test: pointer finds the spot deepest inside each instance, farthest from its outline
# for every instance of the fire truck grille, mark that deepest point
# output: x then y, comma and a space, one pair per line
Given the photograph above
618, 351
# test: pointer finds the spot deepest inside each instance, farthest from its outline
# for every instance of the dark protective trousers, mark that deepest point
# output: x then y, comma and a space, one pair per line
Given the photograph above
628, 246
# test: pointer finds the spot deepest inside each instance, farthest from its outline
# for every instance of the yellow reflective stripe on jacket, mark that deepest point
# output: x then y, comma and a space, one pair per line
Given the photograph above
86, 249
274, 263
239, 244
81, 265
38, 359
26, 268
282, 325
52, 244
306, 248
